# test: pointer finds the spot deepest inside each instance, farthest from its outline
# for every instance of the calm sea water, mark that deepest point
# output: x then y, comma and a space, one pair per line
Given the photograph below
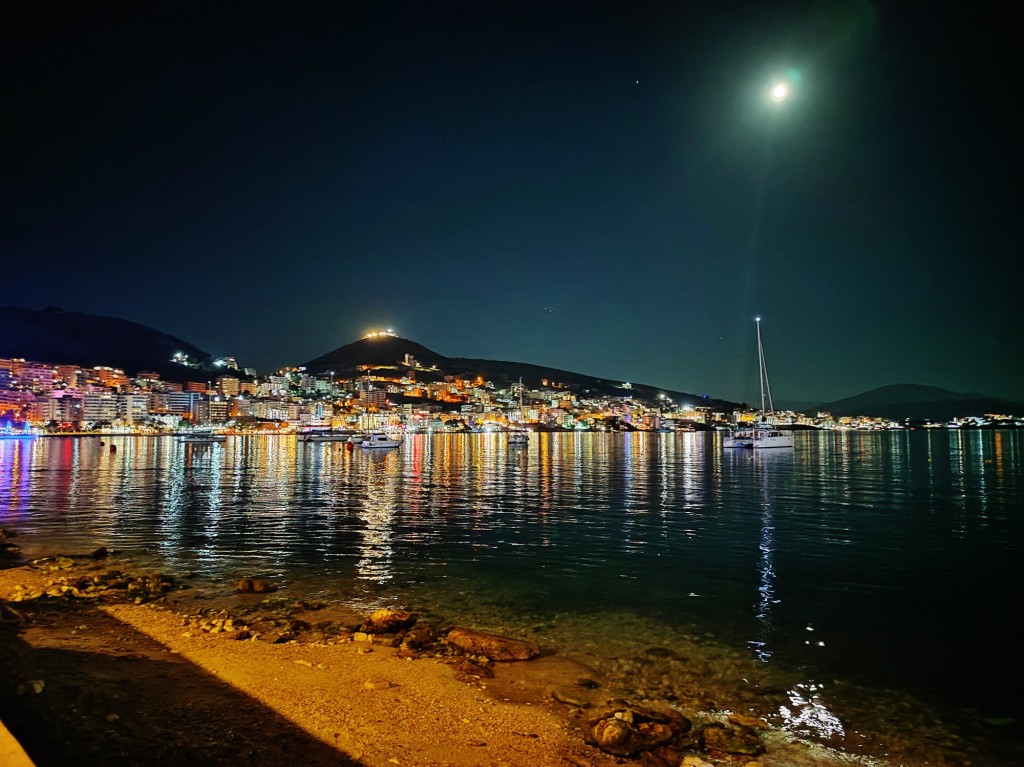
860, 590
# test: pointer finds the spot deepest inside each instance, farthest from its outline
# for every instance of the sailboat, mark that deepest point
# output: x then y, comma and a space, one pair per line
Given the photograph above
519, 436
762, 433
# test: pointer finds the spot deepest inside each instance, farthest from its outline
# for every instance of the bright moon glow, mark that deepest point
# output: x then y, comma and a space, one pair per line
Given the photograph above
780, 91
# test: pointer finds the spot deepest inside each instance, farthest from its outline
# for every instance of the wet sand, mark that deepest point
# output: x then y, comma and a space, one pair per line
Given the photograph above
107, 681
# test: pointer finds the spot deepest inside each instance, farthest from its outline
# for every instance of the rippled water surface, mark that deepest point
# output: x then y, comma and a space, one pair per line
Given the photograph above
861, 589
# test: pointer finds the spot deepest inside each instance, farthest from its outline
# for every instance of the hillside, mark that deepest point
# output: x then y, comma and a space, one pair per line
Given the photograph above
56, 336
390, 351
382, 351
53, 335
916, 402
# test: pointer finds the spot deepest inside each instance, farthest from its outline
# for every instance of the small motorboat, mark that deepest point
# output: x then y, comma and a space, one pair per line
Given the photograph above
519, 438
324, 436
202, 436
381, 440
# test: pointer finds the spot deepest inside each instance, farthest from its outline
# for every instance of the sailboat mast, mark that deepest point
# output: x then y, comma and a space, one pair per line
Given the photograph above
765, 386
760, 363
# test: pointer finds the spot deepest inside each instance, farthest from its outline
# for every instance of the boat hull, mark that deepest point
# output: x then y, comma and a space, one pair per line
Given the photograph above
379, 441
758, 439
761, 434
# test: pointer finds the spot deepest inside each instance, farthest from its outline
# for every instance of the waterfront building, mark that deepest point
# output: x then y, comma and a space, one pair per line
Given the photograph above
219, 410
14, 403
227, 385
156, 403
111, 377
12, 365
68, 375
274, 410
99, 407
374, 397
199, 412
58, 409
38, 377
132, 408
239, 408
278, 386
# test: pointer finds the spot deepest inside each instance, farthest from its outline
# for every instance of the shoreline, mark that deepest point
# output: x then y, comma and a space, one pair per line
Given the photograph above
347, 702
351, 699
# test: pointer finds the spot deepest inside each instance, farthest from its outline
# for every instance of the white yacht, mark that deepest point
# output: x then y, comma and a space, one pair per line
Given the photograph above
379, 440
202, 436
519, 437
758, 436
763, 433
324, 436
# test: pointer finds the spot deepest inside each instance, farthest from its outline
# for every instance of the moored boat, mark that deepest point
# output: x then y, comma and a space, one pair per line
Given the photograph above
758, 435
741, 436
202, 436
325, 436
763, 433
381, 440
520, 437
9, 432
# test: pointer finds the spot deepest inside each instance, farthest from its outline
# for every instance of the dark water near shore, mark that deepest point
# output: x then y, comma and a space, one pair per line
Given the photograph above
860, 590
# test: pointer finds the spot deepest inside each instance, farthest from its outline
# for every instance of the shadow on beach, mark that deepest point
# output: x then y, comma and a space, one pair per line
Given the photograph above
79, 687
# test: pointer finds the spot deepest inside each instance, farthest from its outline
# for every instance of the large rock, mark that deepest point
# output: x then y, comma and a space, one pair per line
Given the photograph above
388, 620
631, 730
416, 640
256, 586
497, 648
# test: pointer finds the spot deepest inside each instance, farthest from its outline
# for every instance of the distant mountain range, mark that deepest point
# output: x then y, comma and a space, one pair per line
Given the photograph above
919, 403
53, 335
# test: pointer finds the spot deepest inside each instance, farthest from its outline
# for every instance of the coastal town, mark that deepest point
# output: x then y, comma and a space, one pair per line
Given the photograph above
62, 397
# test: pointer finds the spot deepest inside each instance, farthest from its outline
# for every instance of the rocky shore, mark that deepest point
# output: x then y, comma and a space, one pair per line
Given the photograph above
103, 666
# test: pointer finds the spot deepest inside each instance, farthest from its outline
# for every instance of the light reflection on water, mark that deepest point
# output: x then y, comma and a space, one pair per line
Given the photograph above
854, 564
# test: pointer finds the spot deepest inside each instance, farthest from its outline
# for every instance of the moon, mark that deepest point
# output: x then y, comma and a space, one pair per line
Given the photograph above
780, 91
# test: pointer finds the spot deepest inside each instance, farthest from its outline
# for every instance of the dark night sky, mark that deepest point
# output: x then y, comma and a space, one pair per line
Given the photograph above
600, 187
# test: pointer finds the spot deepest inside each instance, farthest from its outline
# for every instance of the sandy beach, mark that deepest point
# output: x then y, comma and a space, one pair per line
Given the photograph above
105, 667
